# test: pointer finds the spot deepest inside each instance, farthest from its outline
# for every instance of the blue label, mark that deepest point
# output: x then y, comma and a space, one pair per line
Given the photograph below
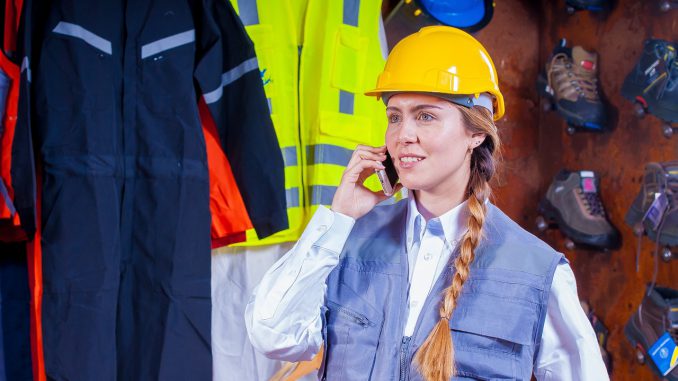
664, 353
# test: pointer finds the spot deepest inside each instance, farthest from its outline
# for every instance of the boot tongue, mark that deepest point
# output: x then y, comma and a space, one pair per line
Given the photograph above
586, 61
588, 181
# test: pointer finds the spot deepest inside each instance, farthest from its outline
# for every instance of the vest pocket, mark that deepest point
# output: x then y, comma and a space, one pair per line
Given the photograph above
492, 335
353, 330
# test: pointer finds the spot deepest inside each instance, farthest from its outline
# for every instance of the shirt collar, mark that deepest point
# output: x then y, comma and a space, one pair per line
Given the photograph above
454, 222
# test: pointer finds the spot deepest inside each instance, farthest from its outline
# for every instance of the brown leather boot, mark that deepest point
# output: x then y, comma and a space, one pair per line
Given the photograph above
573, 203
571, 80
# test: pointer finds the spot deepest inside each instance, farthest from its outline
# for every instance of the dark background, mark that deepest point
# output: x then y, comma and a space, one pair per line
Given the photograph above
520, 38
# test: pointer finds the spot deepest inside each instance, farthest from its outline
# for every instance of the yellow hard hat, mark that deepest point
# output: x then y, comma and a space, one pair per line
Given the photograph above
441, 60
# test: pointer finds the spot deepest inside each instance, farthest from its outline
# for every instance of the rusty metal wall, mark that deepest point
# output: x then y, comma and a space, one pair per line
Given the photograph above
520, 37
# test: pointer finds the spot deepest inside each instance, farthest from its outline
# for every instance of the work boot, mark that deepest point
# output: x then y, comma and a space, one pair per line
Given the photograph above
572, 201
657, 314
659, 178
588, 5
653, 82
571, 76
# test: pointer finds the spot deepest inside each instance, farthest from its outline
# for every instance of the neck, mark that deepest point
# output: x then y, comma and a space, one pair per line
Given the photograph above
432, 205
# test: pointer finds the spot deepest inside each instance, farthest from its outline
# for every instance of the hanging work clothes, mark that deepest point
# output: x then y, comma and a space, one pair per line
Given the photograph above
109, 103
317, 58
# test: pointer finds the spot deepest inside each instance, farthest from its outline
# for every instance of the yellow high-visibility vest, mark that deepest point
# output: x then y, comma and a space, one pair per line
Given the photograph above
316, 58
341, 59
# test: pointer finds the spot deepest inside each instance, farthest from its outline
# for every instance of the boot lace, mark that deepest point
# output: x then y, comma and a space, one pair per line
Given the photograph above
592, 203
569, 77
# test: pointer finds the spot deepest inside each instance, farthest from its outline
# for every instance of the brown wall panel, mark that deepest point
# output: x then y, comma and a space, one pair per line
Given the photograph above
609, 280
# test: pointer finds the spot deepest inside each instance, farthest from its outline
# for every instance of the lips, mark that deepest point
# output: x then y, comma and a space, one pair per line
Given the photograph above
409, 161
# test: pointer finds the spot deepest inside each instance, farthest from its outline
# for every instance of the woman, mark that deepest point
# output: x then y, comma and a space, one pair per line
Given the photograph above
438, 286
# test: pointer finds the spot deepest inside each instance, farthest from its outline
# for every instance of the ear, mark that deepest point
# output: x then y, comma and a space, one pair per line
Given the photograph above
477, 139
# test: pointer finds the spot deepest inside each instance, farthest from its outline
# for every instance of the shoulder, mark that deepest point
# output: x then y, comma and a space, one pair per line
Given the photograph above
383, 216
506, 244
377, 235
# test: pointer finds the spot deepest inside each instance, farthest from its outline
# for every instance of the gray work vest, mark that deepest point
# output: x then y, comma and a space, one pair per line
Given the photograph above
496, 327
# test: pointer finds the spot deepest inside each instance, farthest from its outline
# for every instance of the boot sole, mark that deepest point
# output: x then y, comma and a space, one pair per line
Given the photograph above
632, 92
582, 239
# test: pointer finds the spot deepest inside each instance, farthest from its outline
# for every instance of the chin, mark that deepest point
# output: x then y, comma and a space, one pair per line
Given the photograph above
412, 184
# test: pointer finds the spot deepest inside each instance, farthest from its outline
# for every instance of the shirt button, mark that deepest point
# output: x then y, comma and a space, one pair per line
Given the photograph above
414, 303
322, 228
427, 256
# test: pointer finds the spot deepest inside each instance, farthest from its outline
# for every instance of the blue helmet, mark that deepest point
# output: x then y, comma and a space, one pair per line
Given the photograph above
471, 15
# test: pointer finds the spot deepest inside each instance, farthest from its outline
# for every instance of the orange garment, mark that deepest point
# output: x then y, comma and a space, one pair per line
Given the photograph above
230, 220
9, 123
12, 17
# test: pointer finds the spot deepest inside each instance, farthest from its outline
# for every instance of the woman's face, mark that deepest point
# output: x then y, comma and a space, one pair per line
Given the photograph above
429, 142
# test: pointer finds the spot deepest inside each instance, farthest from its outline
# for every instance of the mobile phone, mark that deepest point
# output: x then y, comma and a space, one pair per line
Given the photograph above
388, 177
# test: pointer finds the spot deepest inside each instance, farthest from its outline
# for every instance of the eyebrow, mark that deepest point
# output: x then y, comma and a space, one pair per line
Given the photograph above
415, 108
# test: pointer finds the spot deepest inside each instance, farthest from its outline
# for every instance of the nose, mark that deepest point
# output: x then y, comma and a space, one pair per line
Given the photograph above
407, 133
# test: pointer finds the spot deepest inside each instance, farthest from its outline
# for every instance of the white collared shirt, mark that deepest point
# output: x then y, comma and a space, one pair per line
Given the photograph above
429, 247
283, 315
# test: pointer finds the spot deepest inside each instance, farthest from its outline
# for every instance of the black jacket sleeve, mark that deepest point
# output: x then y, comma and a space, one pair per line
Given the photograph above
227, 74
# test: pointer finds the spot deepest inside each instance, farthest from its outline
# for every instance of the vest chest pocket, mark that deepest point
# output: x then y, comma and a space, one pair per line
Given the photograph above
353, 330
493, 336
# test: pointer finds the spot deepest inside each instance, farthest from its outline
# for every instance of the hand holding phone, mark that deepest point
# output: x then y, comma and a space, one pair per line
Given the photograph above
388, 177
352, 198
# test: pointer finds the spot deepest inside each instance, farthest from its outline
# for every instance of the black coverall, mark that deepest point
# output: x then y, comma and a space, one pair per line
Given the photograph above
109, 105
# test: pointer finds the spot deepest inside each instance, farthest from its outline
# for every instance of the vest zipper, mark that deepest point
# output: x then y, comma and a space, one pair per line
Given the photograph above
404, 349
361, 320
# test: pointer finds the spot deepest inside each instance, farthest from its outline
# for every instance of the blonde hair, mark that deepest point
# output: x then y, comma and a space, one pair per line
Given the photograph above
435, 358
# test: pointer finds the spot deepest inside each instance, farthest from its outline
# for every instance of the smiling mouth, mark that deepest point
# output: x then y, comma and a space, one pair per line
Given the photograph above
411, 159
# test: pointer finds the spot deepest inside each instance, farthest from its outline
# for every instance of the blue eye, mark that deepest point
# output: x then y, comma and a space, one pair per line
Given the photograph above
425, 117
395, 118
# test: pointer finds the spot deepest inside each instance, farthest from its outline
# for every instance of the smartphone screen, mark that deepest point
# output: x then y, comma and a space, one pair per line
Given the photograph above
388, 177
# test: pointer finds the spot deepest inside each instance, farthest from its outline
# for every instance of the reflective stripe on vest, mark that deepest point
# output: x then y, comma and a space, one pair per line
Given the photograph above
322, 194
328, 154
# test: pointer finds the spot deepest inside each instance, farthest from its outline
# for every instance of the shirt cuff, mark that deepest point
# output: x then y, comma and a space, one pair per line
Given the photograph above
334, 234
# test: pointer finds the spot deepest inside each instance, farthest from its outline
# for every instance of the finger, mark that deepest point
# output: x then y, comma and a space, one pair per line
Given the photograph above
365, 155
364, 147
362, 167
